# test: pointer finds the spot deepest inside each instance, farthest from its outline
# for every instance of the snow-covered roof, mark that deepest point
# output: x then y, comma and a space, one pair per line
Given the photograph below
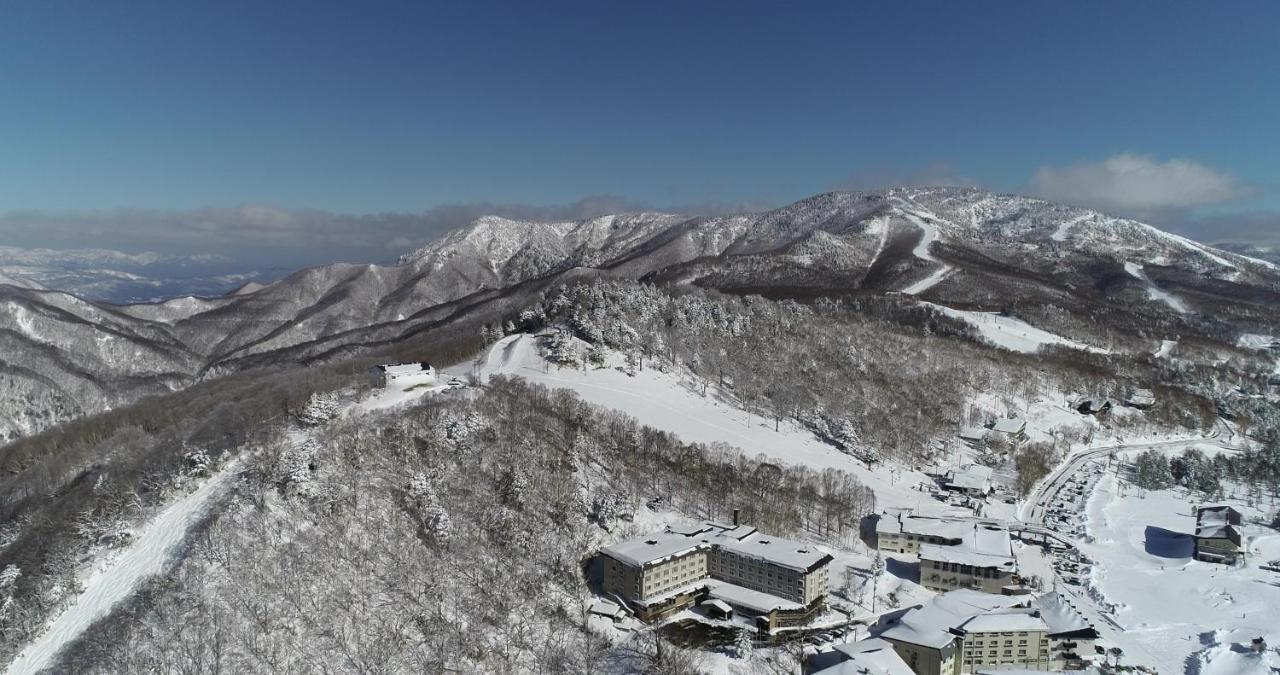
748, 599
944, 528
398, 369
930, 625
720, 605
743, 540
1004, 621
605, 608
653, 548
971, 477
783, 552
973, 433
1059, 615
1010, 425
1217, 522
872, 656
963, 555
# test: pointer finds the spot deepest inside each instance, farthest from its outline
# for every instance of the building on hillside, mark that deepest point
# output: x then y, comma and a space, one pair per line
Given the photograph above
778, 581
1141, 399
1093, 406
1011, 429
1217, 534
872, 656
968, 631
403, 375
973, 480
974, 436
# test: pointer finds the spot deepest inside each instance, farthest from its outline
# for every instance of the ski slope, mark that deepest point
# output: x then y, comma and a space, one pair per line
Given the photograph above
1064, 228
148, 555
922, 251
1012, 334
664, 401
1154, 292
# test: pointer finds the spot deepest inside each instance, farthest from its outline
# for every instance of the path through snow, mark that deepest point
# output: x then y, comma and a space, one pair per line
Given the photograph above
148, 555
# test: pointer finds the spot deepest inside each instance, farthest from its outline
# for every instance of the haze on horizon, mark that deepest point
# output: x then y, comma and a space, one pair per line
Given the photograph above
301, 133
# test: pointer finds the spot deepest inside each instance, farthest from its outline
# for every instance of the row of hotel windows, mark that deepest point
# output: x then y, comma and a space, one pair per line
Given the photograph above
984, 572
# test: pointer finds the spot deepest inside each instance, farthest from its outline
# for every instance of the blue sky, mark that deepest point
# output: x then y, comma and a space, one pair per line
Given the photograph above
355, 108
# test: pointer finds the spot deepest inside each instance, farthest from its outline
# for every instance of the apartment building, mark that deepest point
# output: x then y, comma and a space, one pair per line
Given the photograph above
764, 576
966, 630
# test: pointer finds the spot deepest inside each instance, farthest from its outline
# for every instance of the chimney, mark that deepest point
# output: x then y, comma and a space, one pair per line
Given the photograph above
736, 514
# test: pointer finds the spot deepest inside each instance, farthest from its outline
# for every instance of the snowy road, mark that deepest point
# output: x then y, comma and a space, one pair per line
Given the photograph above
148, 555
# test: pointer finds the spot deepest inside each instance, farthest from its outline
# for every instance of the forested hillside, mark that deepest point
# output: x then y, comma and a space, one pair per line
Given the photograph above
450, 536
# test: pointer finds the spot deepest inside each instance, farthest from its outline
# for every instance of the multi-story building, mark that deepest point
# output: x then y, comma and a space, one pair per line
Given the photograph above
781, 580
1217, 537
954, 552
964, 631
948, 568
905, 533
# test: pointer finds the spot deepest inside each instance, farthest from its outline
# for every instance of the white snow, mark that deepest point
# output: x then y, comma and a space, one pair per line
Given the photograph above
1154, 292
1065, 227
1256, 341
664, 401
1191, 246
1011, 333
1175, 610
1166, 348
148, 555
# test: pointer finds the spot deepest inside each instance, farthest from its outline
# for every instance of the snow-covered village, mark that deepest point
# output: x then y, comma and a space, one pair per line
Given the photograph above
659, 338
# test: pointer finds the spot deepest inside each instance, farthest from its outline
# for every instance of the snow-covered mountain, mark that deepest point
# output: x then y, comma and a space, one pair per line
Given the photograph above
125, 278
961, 248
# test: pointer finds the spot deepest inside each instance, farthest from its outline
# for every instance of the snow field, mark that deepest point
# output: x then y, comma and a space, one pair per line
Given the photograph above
1011, 333
1179, 614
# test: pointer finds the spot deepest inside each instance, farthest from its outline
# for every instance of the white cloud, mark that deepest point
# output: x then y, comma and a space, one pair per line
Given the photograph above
1137, 184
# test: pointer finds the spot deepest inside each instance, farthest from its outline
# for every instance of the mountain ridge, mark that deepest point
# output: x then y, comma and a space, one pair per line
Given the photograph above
954, 246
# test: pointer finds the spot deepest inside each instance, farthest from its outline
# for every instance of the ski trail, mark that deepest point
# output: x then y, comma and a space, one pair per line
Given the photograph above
1154, 292
921, 251
1065, 228
148, 555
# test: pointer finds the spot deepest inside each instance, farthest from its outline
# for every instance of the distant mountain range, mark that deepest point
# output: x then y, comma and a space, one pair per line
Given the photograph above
62, 356
125, 278
1268, 253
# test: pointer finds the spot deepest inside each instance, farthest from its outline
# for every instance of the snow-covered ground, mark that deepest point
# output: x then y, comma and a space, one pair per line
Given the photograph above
1256, 341
148, 555
1179, 614
1154, 292
1011, 333
1064, 228
1165, 349
665, 401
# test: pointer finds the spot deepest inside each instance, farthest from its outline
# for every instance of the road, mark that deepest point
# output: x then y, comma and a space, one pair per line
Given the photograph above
1033, 510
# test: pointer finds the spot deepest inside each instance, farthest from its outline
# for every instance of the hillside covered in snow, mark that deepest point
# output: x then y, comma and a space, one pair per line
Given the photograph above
1055, 274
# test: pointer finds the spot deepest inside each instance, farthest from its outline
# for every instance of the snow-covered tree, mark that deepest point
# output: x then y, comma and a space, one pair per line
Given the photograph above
320, 408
